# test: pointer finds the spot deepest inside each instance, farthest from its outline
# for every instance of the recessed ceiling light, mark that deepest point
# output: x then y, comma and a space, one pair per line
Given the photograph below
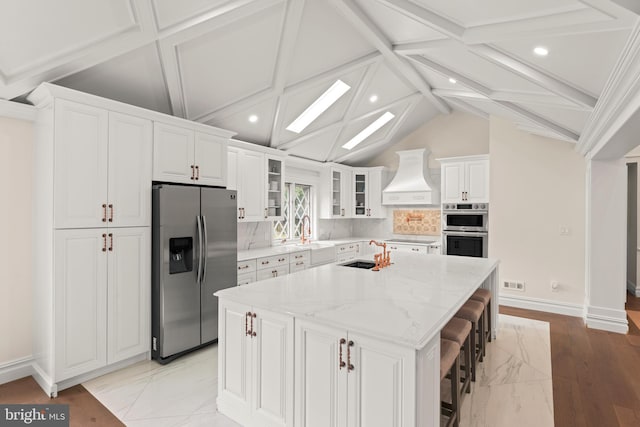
373, 98
253, 118
541, 51
366, 132
452, 80
319, 106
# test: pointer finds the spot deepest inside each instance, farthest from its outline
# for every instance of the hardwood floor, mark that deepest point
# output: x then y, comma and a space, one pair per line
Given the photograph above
596, 374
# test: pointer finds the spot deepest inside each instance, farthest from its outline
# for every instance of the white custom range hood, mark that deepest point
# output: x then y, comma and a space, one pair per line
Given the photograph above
410, 186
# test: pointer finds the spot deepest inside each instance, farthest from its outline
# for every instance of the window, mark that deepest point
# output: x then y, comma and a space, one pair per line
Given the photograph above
297, 204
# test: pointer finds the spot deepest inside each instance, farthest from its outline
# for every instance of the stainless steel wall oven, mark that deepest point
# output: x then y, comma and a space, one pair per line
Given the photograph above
465, 229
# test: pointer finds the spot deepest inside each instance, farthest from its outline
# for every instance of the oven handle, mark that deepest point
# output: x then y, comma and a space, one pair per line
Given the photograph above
466, 233
465, 212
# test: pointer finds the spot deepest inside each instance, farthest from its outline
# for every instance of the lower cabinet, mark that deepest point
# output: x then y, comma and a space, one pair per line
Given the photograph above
101, 298
255, 366
345, 379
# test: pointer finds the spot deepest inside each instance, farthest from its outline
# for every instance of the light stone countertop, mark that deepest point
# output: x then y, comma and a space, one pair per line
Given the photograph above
407, 303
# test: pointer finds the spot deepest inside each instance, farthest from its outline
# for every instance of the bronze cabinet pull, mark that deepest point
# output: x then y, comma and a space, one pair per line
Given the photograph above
342, 212
110, 212
265, 262
246, 323
265, 213
110, 241
104, 213
197, 172
342, 342
193, 172
243, 267
350, 367
253, 316
239, 213
104, 242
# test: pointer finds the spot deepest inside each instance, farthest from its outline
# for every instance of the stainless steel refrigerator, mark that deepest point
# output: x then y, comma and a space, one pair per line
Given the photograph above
194, 255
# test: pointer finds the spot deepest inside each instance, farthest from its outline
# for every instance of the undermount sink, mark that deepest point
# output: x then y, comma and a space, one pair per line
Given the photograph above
360, 264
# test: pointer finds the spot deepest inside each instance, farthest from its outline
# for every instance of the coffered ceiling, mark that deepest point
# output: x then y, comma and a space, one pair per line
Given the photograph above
221, 61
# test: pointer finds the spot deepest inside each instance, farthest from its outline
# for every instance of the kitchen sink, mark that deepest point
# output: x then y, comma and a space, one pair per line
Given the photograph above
360, 264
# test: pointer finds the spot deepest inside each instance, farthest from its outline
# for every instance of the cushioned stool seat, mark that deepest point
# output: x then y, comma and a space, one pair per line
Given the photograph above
459, 331
473, 312
484, 296
450, 362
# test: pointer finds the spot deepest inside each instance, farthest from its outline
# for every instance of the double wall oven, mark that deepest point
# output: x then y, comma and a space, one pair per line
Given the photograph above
465, 228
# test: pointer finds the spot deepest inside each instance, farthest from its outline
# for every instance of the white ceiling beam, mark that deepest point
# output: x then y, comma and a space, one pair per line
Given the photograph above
535, 76
401, 67
518, 97
237, 106
483, 90
422, 46
387, 139
542, 132
460, 94
426, 17
469, 108
353, 105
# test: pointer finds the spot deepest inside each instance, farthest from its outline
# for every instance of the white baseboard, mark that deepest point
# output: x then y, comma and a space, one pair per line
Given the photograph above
538, 304
44, 381
16, 369
607, 319
633, 289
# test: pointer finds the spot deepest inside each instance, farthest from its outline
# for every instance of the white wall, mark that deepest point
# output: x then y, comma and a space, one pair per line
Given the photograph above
16, 145
537, 186
632, 225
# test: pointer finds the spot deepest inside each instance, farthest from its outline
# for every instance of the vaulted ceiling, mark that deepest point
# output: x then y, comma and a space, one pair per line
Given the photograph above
221, 61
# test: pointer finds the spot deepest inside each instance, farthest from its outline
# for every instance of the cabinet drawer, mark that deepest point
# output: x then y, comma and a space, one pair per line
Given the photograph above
414, 249
297, 266
246, 266
348, 256
246, 278
268, 273
304, 256
271, 262
347, 247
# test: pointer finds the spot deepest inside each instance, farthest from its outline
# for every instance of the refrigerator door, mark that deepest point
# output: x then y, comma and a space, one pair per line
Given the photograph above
218, 213
176, 213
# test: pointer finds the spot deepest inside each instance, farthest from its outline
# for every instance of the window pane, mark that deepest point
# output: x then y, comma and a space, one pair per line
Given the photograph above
301, 206
281, 227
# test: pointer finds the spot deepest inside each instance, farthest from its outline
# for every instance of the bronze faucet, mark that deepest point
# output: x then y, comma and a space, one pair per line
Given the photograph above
304, 240
382, 260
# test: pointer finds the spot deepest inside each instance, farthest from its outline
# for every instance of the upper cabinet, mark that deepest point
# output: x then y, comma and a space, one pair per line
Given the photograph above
367, 193
465, 179
347, 192
335, 193
102, 173
189, 157
258, 180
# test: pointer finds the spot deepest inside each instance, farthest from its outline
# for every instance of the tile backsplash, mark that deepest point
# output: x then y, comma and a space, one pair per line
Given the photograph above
253, 235
422, 222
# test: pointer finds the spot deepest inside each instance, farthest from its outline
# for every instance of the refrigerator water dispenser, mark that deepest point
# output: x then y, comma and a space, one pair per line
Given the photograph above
180, 255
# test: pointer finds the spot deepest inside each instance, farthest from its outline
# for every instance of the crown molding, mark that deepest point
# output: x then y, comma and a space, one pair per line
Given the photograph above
16, 110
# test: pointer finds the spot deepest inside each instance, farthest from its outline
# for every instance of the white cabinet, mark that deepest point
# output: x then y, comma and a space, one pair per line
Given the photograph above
259, 181
255, 369
101, 298
299, 261
187, 156
465, 179
335, 193
367, 193
407, 248
103, 168
345, 379
347, 252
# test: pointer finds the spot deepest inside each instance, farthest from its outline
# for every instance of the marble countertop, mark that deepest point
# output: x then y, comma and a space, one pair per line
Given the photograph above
406, 303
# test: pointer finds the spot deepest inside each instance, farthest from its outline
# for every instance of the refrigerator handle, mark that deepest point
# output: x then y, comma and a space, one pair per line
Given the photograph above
205, 248
199, 248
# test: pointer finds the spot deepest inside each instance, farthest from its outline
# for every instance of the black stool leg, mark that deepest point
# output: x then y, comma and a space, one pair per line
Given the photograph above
466, 386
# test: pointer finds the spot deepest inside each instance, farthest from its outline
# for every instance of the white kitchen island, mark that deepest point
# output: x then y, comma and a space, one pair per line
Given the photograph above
340, 346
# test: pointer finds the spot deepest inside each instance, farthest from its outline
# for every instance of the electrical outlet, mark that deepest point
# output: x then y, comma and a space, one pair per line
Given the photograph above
564, 230
513, 285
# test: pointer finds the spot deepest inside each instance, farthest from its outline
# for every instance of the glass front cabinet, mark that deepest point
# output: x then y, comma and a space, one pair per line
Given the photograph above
275, 188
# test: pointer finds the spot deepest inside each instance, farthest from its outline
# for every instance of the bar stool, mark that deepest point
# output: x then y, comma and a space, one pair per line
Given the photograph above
459, 331
484, 296
450, 362
473, 312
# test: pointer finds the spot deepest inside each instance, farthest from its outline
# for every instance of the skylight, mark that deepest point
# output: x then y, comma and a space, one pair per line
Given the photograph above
369, 130
319, 106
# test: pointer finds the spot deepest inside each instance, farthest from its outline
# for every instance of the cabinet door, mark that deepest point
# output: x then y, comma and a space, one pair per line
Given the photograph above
452, 182
360, 194
80, 302
375, 208
173, 154
251, 185
129, 190
275, 188
80, 182
129, 284
272, 370
380, 384
210, 159
320, 382
234, 367
477, 181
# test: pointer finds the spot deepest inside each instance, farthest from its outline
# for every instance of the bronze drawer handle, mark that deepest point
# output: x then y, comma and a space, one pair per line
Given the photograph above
342, 363
350, 367
104, 242
104, 213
